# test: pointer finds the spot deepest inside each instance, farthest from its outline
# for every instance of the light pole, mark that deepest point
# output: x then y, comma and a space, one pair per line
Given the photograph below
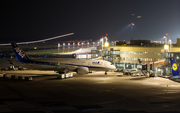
98, 44
106, 43
170, 42
102, 40
106, 39
165, 39
132, 24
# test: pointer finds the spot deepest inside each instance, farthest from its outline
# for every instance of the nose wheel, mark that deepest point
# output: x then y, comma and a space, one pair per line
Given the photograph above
105, 73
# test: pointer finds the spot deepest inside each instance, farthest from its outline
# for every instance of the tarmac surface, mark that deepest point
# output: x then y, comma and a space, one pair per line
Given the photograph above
95, 92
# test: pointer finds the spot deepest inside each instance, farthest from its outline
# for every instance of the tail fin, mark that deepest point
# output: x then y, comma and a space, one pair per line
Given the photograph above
174, 67
19, 53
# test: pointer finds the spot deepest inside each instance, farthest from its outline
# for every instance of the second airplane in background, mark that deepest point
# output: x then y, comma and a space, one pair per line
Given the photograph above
175, 70
61, 65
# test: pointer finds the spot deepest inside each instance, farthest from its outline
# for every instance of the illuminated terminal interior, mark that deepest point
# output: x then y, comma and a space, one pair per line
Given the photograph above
125, 56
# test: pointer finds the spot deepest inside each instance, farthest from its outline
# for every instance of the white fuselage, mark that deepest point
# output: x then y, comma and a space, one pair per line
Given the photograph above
71, 64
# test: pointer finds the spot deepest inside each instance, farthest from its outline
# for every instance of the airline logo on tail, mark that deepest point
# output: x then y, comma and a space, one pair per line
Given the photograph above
20, 53
174, 67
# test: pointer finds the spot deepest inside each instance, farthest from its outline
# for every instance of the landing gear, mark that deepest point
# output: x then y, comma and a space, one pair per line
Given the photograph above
105, 73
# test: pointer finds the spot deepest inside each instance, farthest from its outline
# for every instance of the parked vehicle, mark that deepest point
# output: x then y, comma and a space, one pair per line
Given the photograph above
118, 70
128, 71
14, 68
137, 73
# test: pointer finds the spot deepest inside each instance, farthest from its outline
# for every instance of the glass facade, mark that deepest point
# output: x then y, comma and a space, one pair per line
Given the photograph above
112, 56
127, 66
139, 53
127, 59
119, 65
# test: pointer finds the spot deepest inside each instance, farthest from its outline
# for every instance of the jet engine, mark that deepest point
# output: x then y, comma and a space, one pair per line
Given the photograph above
82, 70
62, 70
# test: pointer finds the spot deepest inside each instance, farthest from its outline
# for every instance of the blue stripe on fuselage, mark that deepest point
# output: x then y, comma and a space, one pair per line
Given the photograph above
85, 66
37, 62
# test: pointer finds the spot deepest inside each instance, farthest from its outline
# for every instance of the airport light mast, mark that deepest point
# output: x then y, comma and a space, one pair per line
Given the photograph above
165, 37
170, 43
132, 24
106, 37
102, 40
106, 43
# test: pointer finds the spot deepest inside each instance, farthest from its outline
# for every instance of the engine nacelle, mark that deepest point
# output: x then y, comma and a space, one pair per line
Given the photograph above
62, 70
82, 70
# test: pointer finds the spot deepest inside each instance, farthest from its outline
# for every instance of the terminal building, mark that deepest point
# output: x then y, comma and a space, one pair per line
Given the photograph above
125, 56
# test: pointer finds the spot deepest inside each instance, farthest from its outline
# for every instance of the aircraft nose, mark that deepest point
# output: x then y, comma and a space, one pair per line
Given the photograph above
113, 67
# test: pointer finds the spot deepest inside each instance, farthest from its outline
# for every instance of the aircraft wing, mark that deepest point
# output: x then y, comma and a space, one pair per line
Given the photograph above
44, 67
5, 63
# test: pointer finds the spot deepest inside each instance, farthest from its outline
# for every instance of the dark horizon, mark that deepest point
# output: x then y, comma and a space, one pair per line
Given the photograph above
35, 20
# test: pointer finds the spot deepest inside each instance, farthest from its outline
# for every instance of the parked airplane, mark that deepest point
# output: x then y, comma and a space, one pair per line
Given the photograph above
175, 70
61, 65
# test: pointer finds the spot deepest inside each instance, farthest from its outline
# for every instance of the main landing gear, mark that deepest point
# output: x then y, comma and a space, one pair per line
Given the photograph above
105, 72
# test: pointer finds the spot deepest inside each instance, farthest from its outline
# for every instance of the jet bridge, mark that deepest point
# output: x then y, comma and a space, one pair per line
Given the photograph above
148, 69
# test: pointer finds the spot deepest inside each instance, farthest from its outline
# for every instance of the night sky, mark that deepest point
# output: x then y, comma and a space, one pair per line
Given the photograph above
29, 20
